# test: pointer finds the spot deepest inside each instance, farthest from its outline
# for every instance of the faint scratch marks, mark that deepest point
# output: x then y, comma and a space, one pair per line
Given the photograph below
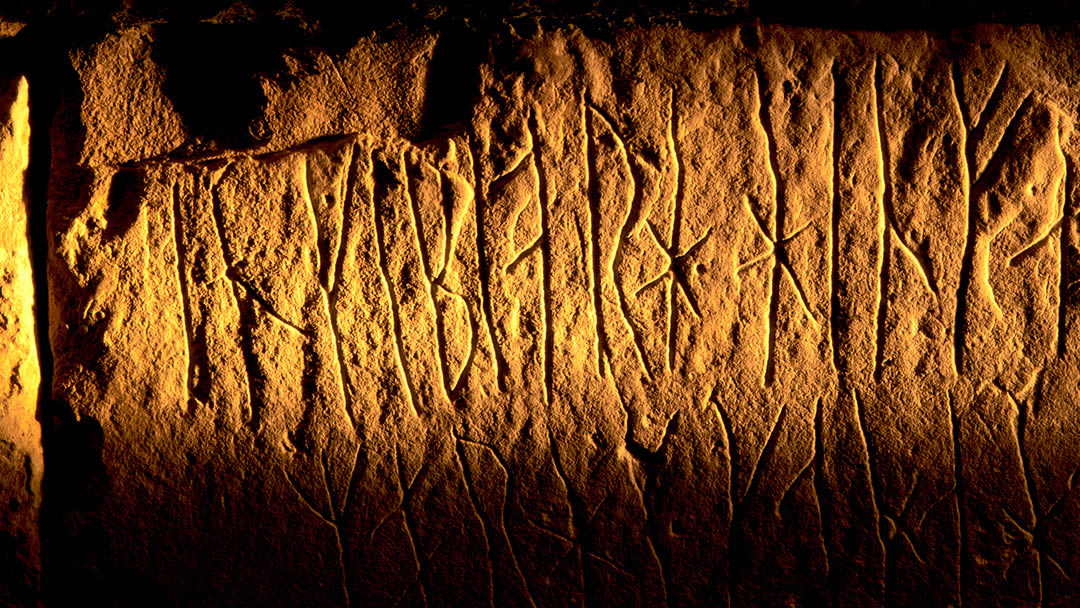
460, 442
335, 513
408, 486
1034, 528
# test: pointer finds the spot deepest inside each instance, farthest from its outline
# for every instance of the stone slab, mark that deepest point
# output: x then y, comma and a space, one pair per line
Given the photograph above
750, 316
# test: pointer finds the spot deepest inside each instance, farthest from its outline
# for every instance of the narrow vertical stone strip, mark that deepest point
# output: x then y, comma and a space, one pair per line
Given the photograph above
20, 433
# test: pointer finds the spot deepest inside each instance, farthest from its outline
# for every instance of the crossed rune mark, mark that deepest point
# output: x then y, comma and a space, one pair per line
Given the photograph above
675, 273
776, 253
675, 269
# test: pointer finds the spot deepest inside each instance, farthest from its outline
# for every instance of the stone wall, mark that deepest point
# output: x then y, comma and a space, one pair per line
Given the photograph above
645, 314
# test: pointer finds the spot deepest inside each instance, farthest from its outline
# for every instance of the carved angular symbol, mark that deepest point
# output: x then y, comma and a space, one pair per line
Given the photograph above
777, 253
675, 269
780, 264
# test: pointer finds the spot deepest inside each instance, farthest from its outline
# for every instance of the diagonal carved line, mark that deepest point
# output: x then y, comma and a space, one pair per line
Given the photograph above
1057, 565
761, 258
765, 234
697, 244
959, 95
1029, 249
785, 240
978, 125
656, 237
903, 533
680, 279
920, 263
520, 257
786, 265
651, 282
766, 454
255, 295
307, 503
979, 184
501, 180
473, 338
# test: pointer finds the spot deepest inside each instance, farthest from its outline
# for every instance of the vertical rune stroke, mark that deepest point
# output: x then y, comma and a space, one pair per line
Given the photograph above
675, 273
624, 231
1065, 284
542, 246
975, 183
834, 234
242, 305
180, 249
380, 191
884, 234
889, 233
592, 189
432, 280
329, 276
436, 282
335, 278
483, 265
772, 233
420, 241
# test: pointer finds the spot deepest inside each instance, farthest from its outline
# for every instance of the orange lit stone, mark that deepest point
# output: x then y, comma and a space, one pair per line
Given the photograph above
752, 316
20, 434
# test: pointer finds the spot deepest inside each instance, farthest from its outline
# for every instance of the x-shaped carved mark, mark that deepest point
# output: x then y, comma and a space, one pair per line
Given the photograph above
777, 251
675, 268
675, 272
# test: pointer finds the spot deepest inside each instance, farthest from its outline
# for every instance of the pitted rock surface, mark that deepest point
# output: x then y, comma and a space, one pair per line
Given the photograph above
755, 315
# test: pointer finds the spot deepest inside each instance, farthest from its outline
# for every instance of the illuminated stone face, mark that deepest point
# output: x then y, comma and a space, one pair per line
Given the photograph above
744, 317
20, 434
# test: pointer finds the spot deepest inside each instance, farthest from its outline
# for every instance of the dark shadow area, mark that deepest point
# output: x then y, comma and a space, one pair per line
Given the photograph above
74, 483
453, 81
333, 19
212, 76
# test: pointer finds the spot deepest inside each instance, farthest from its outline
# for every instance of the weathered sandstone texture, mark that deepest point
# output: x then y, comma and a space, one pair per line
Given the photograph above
20, 378
754, 316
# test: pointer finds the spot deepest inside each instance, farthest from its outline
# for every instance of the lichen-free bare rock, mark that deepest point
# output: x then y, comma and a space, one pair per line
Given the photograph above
20, 434
755, 316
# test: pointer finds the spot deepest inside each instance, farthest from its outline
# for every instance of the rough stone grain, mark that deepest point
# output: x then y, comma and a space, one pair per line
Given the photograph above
750, 316
20, 433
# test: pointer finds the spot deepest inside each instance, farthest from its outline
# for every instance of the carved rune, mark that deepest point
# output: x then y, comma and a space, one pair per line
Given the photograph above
676, 265
779, 263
